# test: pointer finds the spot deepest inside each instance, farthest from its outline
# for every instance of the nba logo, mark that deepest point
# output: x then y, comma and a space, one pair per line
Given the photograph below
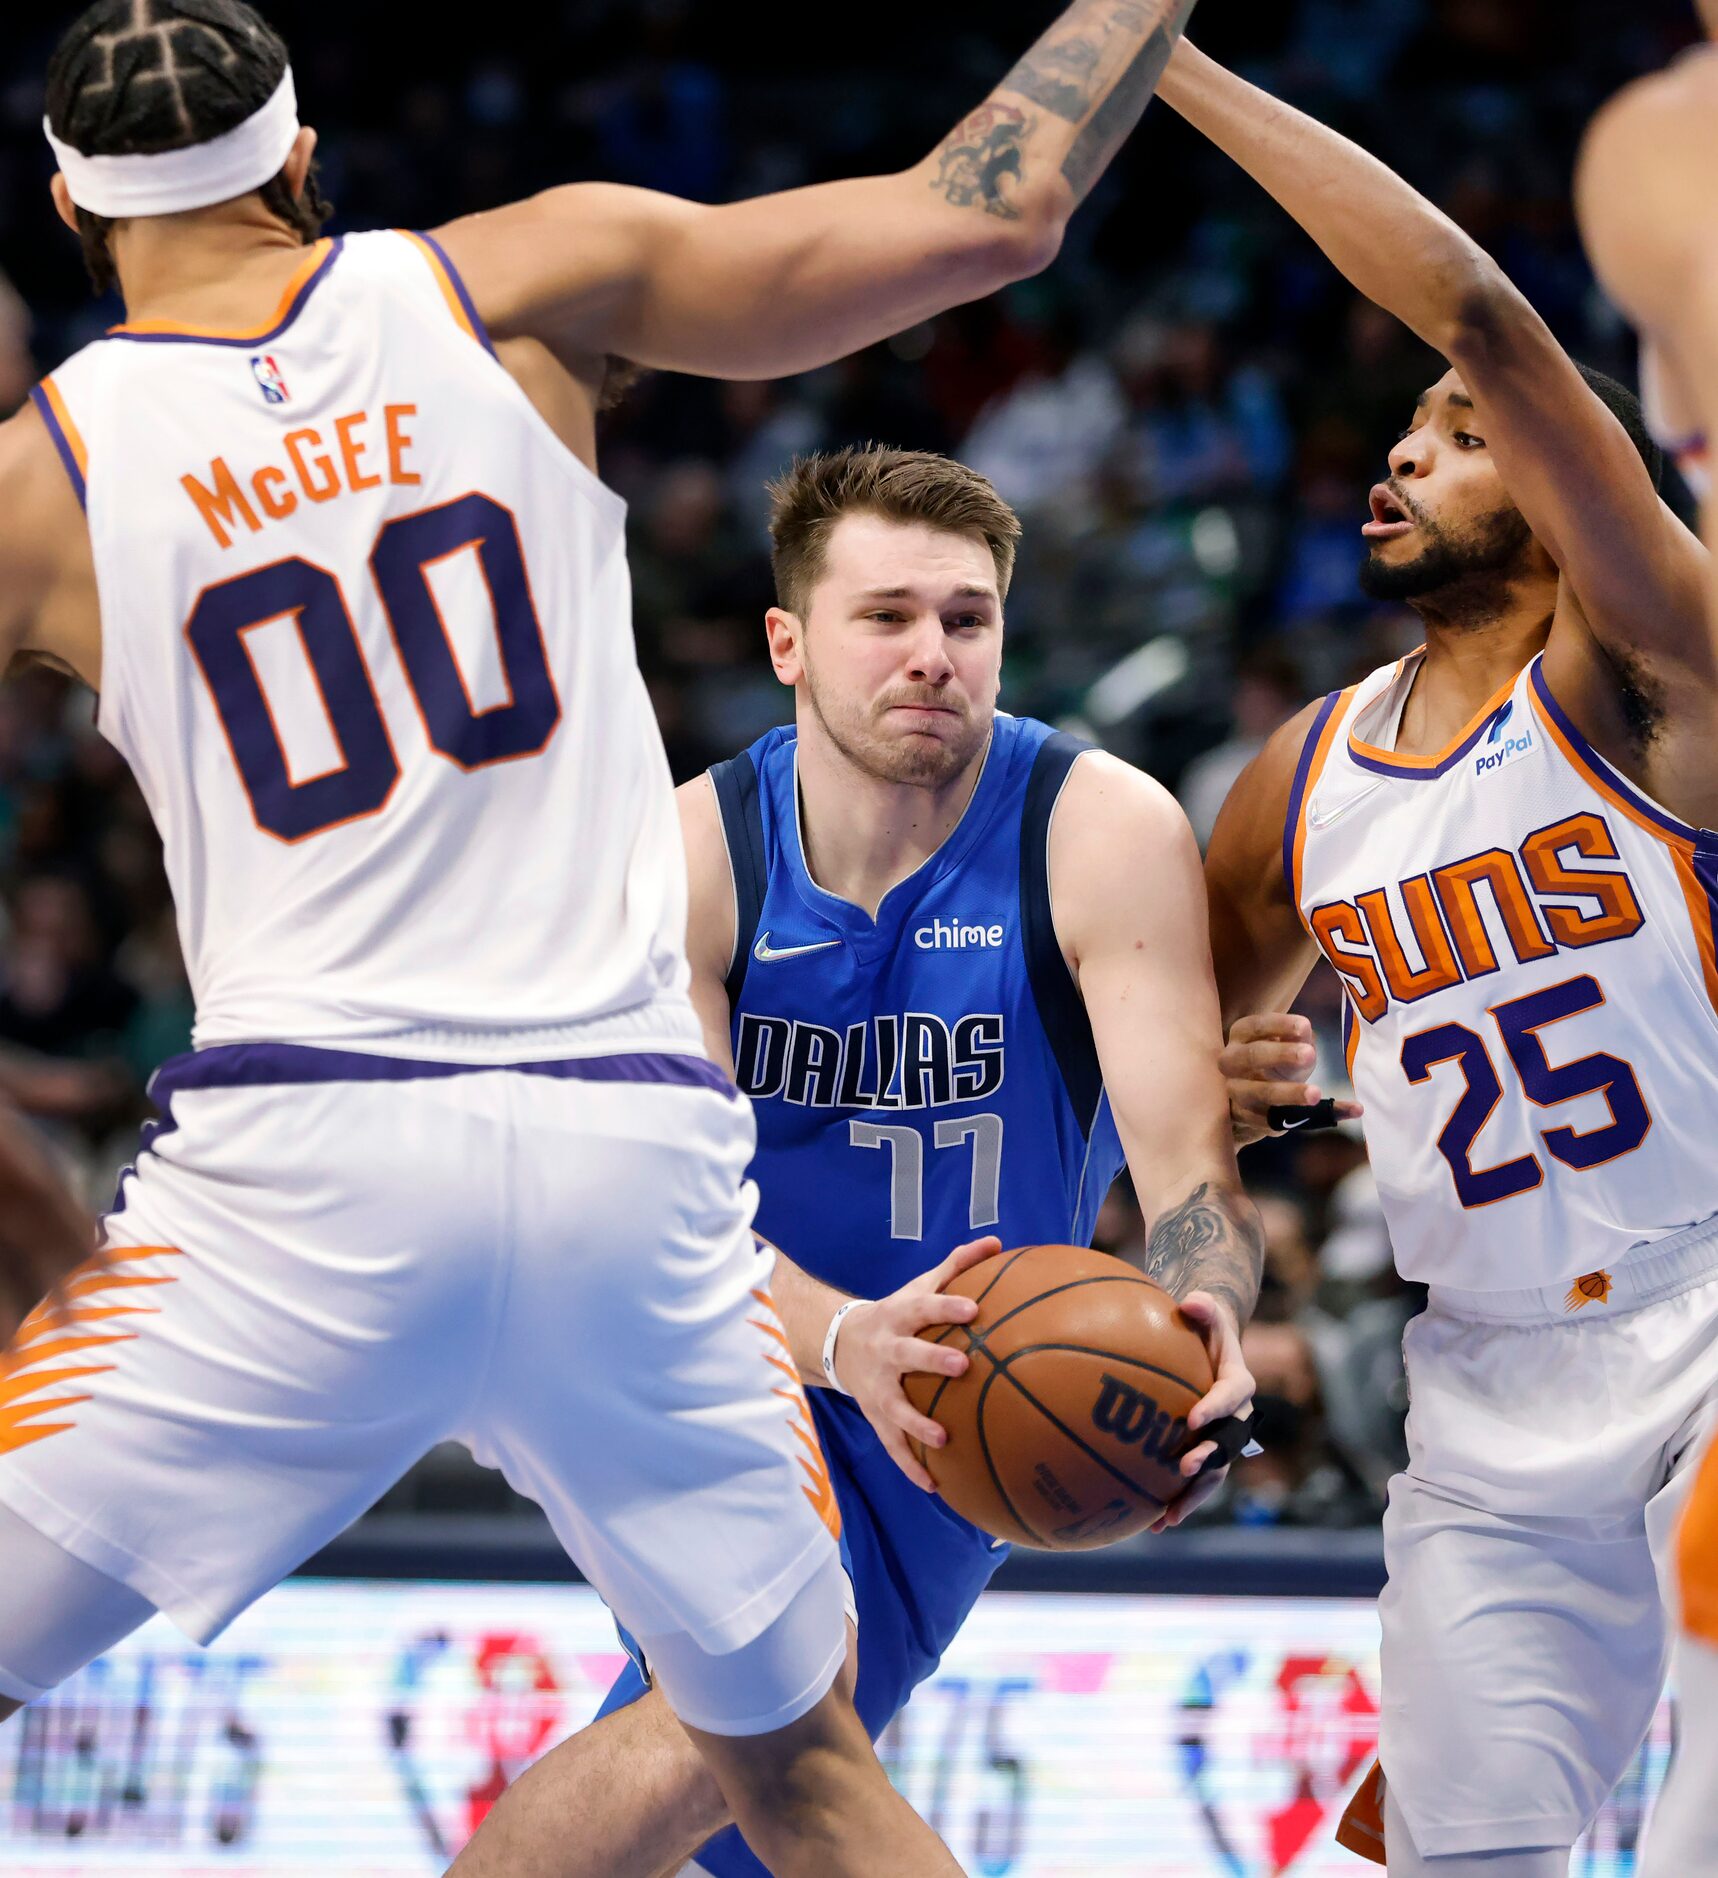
269, 378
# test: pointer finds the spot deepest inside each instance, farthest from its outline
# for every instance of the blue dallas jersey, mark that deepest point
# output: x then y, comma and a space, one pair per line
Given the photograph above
919, 1079
929, 1075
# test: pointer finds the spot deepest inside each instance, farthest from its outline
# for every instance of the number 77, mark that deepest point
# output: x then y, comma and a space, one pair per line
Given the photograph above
907, 1167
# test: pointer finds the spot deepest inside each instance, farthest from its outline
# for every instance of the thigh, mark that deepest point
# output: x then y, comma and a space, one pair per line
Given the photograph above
243, 1370
1522, 1662
56, 1612
648, 1400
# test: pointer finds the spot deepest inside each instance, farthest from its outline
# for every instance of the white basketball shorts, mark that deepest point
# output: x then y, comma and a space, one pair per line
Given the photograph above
326, 1262
1552, 1438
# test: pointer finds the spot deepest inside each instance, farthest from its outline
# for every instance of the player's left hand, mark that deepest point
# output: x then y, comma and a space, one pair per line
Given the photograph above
879, 1344
1230, 1394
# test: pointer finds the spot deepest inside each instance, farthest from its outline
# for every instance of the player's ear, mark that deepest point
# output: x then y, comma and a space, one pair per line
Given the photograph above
785, 632
64, 208
297, 165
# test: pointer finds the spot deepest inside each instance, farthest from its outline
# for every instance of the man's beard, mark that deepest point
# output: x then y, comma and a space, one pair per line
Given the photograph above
924, 762
1459, 575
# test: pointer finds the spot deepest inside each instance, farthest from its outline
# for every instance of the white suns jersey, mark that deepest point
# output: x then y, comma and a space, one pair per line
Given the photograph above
1526, 945
367, 644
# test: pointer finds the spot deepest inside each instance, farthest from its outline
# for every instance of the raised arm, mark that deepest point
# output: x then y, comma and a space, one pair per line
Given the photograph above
1130, 913
787, 282
1636, 572
1649, 215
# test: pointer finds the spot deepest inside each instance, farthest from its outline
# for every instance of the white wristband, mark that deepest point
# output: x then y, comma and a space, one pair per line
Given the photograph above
829, 1336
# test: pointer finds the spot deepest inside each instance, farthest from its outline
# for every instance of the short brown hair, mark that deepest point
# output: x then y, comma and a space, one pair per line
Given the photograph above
900, 486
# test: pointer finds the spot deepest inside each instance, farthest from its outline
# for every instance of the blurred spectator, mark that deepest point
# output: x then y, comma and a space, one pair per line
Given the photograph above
1300, 1479
1268, 691
1041, 442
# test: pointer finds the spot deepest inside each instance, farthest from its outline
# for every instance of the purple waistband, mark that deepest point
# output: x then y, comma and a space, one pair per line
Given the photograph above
261, 1065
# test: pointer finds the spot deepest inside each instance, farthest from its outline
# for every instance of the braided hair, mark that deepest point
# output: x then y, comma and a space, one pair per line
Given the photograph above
134, 77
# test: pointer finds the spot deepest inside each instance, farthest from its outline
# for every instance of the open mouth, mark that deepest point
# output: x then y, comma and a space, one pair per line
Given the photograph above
1389, 518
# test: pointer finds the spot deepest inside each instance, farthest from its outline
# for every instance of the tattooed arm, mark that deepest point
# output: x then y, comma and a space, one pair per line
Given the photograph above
787, 282
1129, 907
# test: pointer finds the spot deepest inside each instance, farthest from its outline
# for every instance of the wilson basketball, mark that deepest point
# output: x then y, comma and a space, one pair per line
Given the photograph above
1067, 1428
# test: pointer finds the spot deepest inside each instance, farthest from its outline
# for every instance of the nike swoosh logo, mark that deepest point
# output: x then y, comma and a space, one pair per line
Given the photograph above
1300, 1121
766, 954
1317, 818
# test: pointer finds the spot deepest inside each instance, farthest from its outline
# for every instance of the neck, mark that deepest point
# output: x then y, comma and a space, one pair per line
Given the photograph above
863, 835
204, 268
1467, 663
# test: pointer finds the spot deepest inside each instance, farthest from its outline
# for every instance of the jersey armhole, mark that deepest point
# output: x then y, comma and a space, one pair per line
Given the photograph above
459, 302
1306, 772
1060, 1009
736, 786
68, 440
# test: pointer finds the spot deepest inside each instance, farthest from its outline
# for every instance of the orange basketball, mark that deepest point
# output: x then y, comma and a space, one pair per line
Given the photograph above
1067, 1428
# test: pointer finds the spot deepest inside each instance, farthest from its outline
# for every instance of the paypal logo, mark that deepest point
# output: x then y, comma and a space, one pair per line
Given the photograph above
1499, 749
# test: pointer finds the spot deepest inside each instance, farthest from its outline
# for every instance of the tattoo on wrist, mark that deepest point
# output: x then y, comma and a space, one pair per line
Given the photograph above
983, 160
1210, 1242
1099, 76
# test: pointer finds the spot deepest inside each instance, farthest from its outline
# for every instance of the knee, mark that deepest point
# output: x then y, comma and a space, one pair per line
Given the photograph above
695, 1803
798, 1790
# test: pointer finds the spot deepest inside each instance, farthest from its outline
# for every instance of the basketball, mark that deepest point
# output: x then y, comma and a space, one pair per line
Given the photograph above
1066, 1431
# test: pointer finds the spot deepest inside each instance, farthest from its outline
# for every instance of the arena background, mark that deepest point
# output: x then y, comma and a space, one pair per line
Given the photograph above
1187, 410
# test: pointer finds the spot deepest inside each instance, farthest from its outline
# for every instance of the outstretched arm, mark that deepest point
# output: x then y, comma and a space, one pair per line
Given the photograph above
788, 282
1130, 913
1649, 216
1565, 460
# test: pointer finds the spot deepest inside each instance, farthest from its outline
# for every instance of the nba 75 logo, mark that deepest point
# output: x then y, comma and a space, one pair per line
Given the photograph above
269, 378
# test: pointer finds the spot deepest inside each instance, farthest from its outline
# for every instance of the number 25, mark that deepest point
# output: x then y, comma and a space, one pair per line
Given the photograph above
1545, 1084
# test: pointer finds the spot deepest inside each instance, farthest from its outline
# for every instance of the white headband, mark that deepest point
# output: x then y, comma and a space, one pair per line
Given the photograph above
166, 181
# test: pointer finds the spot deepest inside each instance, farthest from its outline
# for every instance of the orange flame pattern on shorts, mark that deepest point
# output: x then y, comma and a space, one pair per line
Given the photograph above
821, 1491
53, 1330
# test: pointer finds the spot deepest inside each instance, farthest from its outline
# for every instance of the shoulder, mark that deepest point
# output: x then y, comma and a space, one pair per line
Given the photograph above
40, 509
1121, 853
1263, 793
1105, 800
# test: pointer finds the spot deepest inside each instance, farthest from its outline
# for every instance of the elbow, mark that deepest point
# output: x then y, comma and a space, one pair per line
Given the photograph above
1036, 238
1003, 249
1483, 310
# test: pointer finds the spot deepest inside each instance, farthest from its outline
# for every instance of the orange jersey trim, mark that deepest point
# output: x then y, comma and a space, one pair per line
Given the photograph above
1304, 785
300, 279
1397, 760
452, 287
63, 417
1657, 822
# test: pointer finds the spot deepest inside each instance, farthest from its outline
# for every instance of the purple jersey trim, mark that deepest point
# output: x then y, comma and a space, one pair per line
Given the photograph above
254, 340
1382, 766
1612, 777
62, 443
465, 300
1297, 791
265, 1065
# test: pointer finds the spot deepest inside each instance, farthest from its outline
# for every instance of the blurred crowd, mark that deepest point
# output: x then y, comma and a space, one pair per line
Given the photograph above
1187, 412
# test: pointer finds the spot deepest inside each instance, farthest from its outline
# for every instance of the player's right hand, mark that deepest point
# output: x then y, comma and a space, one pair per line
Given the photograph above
1266, 1061
879, 1344
45, 1235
